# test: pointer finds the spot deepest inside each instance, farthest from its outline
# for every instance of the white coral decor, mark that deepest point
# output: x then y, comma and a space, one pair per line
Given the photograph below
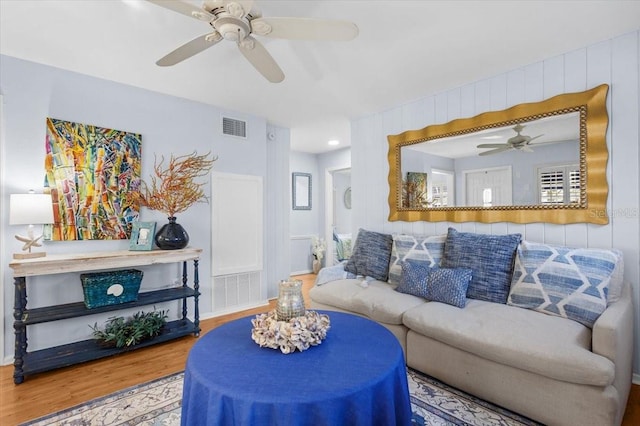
298, 333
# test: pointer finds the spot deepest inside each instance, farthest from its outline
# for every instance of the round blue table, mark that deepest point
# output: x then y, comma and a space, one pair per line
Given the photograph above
357, 376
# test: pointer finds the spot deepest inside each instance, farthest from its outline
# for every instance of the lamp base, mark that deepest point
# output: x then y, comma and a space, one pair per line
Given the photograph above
29, 255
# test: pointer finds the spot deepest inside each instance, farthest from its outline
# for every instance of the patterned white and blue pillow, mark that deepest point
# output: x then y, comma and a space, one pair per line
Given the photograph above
425, 249
437, 284
490, 257
370, 256
563, 281
449, 286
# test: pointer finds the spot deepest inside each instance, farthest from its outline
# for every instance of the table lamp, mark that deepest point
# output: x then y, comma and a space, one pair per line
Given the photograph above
30, 209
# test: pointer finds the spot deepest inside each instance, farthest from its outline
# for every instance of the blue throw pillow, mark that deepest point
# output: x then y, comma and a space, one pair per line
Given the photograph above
370, 256
490, 257
414, 278
449, 285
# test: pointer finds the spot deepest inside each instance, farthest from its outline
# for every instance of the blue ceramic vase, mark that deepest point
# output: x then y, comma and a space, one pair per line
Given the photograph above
172, 236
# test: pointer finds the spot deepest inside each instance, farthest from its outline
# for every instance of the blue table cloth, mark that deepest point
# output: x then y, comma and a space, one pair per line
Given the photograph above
357, 376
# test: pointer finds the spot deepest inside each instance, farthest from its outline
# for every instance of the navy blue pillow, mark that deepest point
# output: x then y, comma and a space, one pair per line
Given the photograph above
449, 285
371, 254
490, 257
413, 280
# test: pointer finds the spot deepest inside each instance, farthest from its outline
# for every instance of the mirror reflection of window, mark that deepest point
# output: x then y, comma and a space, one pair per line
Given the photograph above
559, 184
442, 188
486, 197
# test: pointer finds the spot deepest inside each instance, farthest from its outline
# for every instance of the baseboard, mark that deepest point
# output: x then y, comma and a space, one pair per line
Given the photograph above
635, 379
234, 309
308, 271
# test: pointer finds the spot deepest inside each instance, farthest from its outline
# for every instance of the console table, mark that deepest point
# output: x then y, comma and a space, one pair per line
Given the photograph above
64, 355
356, 377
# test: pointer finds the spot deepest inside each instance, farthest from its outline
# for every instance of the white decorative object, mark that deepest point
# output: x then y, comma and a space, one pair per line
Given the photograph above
319, 246
115, 290
30, 209
298, 333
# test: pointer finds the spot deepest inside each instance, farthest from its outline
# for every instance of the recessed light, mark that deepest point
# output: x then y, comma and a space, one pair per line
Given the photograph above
491, 137
334, 142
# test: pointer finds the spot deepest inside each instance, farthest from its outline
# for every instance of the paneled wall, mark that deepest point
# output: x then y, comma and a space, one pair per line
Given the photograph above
614, 62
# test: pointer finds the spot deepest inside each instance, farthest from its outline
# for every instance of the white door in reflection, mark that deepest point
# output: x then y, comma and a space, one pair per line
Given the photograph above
488, 187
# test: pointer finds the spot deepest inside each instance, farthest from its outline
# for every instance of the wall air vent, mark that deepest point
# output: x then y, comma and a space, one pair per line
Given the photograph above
233, 127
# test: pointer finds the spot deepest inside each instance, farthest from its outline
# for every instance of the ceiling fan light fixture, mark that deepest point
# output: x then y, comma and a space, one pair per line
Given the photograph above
232, 29
201, 16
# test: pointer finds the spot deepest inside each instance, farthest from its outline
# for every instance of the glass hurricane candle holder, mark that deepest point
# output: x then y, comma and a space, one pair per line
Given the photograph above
290, 302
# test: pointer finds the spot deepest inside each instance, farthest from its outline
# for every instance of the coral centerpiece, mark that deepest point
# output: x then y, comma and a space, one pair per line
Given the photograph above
298, 333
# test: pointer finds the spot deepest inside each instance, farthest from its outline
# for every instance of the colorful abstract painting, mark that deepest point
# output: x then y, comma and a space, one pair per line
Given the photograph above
89, 171
415, 192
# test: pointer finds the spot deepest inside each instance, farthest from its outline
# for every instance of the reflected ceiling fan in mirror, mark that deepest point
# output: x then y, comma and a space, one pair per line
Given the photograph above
519, 142
239, 20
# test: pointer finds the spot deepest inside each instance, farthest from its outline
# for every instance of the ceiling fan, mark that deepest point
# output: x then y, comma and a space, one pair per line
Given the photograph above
239, 20
519, 142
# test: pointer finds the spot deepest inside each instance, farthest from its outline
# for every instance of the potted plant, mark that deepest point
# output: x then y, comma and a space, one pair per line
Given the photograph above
172, 190
122, 333
319, 246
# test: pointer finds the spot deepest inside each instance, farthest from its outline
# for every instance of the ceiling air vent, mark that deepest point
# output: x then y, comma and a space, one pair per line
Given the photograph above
233, 127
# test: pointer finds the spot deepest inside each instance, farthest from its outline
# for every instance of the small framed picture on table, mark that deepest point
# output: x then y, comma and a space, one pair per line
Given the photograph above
142, 236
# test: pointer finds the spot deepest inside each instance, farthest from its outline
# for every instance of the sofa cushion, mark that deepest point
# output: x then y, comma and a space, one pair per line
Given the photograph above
449, 286
426, 249
370, 256
521, 338
337, 293
567, 282
490, 257
380, 302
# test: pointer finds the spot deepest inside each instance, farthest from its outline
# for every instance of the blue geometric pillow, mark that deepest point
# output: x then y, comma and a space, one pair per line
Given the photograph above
449, 285
425, 249
490, 257
370, 256
562, 281
414, 278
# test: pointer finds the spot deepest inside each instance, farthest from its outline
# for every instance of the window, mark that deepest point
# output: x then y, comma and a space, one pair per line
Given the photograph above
441, 188
559, 184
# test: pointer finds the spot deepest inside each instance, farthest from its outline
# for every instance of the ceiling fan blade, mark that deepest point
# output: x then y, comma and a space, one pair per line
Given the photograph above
495, 151
491, 145
185, 8
189, 49
535, 137
261, 60
525, 148
305, 28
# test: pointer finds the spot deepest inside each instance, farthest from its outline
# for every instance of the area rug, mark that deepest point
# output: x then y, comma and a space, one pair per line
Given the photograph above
157, 403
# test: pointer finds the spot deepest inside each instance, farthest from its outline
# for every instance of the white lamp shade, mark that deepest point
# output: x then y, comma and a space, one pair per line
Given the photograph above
30, 209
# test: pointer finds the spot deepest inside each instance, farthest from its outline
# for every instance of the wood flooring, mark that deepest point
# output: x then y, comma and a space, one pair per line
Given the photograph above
56, 390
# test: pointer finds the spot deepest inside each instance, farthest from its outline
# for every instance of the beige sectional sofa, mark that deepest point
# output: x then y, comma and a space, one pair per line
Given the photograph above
549, 368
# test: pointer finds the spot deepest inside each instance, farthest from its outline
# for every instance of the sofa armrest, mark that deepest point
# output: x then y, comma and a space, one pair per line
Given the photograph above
612, 337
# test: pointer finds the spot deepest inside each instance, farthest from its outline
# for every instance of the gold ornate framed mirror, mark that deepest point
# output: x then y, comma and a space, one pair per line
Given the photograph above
534, 162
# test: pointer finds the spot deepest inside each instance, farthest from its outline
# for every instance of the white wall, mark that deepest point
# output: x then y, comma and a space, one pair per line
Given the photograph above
32, 92
615, 62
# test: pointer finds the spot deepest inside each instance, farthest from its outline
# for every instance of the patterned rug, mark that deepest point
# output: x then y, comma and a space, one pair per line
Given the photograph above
157, 403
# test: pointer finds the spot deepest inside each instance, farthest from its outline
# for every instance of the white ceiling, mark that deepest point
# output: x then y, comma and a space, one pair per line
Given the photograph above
405, 50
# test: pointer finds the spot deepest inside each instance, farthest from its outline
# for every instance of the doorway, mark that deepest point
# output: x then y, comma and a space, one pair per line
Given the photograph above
337, 209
